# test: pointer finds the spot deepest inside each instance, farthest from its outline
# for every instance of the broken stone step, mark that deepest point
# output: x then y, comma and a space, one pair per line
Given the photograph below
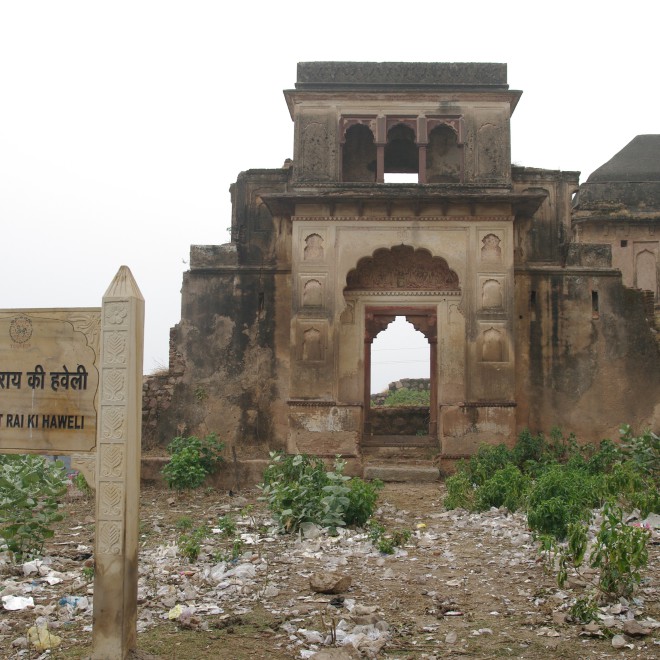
410, 473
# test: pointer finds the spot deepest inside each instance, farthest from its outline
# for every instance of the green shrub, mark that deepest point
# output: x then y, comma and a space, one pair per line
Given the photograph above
643, 451
81, 484
604, 458
387, 542
183, 523
299, 489
486, 462
584, 610
560, 496
508, 487
362, 498
460, 491
293, 487
30, 489
552, 516
529, 449
620, 552
193, 459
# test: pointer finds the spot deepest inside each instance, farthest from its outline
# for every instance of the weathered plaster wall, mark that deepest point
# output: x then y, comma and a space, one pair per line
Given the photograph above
635, 250
582, 369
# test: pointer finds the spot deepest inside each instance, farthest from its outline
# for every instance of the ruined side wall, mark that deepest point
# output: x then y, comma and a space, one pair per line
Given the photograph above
586, 357
229, 353
635, 249
543, 236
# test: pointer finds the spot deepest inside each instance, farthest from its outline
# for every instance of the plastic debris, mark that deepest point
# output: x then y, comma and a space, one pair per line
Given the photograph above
17, 602
42, 639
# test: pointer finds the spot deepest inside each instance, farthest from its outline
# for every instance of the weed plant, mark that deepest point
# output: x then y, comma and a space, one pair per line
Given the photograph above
384, 541
190, 542
79, 481
227, 525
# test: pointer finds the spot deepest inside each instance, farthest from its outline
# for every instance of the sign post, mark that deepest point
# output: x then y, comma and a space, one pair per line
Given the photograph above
118, 470
71, 383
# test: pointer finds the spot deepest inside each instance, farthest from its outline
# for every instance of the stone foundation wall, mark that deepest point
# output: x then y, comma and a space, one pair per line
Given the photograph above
409, 420
157, 392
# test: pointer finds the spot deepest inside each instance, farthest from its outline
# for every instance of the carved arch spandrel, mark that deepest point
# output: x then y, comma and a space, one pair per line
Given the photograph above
402, 268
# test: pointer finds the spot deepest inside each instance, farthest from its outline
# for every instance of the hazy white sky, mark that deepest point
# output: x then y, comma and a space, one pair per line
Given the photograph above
122, 124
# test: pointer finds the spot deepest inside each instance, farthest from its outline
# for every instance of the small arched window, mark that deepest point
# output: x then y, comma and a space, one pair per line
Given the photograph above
401, 154
359, 155
443, 156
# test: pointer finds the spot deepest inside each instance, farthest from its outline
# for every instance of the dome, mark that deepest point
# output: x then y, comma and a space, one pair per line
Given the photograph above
638, 161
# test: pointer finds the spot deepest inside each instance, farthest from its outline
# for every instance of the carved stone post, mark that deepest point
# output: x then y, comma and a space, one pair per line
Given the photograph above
118, 470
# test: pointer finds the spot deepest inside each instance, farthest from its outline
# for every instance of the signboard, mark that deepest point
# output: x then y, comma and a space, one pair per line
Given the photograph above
49, 380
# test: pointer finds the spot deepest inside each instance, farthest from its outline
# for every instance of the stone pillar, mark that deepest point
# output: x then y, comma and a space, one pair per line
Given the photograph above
118, 470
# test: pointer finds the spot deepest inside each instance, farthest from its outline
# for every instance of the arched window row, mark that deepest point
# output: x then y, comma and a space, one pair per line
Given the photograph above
430, 147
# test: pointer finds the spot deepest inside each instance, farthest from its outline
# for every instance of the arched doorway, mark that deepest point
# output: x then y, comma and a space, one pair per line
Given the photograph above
401, 281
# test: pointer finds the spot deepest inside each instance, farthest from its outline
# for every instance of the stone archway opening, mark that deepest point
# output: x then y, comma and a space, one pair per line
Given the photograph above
408, 282
400, 359
412, 422
424, 320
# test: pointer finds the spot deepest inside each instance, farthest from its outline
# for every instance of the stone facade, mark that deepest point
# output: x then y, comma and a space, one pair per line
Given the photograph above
529, 323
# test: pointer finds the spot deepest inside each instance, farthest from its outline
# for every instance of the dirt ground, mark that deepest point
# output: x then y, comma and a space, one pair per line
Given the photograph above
463, 585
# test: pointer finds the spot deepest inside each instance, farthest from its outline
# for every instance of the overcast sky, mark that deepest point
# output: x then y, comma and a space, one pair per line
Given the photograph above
122, 124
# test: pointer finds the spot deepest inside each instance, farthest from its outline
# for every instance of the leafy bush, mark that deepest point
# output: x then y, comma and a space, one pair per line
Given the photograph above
551, 517
605, 458
293, 487
460, 491
508, 487
299, 489
643, 451
227, 525
81, 484
193, 459
529, 449
362, 498
30, 489
560, 496
620, 552
486, 462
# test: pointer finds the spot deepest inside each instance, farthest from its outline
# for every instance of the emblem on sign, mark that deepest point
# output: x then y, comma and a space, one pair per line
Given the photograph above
20, 329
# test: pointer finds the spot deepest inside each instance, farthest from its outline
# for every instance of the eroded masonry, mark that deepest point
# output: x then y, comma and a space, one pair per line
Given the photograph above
537, 295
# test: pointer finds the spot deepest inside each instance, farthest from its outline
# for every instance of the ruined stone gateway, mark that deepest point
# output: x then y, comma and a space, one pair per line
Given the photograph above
537, 295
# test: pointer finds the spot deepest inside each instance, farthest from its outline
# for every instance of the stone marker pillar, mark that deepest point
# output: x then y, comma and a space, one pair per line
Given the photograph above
118, 470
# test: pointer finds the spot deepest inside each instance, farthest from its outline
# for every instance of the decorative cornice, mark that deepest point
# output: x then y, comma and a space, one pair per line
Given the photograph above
403, 218
568, 271
353, 293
